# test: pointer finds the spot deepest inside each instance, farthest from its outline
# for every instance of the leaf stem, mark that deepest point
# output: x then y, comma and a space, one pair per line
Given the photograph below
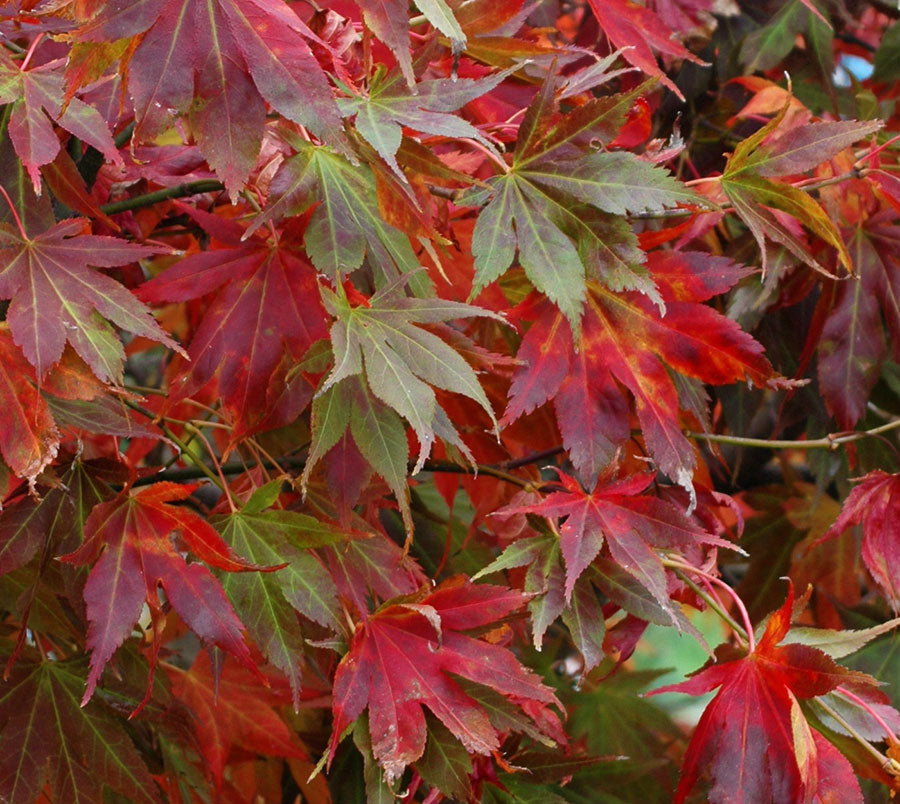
868, 708
883, 761
182, 445
149, 199
15, 214
747, 629
30, 52
711, 601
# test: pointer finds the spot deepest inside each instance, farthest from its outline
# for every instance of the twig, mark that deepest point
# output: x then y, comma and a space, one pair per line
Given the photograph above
149, 199
830, 442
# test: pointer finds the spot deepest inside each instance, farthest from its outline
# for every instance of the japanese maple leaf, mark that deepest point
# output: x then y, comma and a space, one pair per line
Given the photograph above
385, 367
853, 346
221, 62
752, 741
626, 341
401, 658
52, 742
269, 602
748, 182
57, 297
129, 538
389, 21
37, 97
266, 305
346, 226
29, 438
231, 710
390, 105
617, 513
639, 32
557, 204
875, 504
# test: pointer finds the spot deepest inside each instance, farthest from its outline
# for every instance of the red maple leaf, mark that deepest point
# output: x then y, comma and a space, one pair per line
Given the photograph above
57, 297
233, 710
875, 504
266, 304
629, 522
222, 62
752, 740
401, 658
29, 438
130, 540
638, 31
627, 341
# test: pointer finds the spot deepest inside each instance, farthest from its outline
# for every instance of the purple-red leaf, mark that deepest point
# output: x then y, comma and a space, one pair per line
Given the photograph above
130, 539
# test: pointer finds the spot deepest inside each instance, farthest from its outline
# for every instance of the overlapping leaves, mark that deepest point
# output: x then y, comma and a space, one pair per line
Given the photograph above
747, 181
58, 297
128, 541
51, 740
221, 63
265, 306
37, 97
561, 194
268, 603
402, 658
381, 340
625, 340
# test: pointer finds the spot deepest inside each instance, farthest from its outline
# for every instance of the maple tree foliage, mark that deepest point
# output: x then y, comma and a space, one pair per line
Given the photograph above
384, 385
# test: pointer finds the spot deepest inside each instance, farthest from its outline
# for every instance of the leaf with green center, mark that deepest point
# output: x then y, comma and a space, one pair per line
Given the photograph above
36, 96
220, 61
58, 298
267, 603
52, 740
537, 207
391, 105
346, 226
747, 181
379, 340
400, 659
129, 539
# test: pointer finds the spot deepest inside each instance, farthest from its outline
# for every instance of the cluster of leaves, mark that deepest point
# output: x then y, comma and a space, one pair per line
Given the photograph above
379, 381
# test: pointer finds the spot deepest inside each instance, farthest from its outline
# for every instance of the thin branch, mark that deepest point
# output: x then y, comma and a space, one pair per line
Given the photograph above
183, 474
204, 470
149, 199
535, 457
830, 442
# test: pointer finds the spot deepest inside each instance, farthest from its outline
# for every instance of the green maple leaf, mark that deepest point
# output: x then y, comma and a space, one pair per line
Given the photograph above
747, 182
400, 362
391, 105
561, 195
268, 602
346, 227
